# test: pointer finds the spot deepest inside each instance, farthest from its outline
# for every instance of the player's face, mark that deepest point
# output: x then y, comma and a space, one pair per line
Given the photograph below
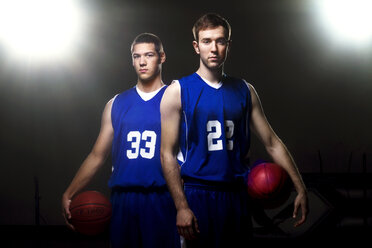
146, 61
212, 47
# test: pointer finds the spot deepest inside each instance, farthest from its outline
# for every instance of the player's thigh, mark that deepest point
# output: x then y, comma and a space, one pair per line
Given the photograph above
124, 227
158, 221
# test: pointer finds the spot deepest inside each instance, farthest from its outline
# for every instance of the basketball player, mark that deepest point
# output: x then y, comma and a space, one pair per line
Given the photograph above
210, 116
143, 211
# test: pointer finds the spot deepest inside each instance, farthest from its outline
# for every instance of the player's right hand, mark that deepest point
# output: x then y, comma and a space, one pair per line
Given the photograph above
66, 211
187, 224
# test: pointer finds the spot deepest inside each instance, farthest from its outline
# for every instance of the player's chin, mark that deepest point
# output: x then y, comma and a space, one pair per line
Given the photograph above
145, 78
214, 65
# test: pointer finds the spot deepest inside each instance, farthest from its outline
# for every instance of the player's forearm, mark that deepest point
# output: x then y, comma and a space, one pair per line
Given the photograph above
281, 156
171, 171
86, 172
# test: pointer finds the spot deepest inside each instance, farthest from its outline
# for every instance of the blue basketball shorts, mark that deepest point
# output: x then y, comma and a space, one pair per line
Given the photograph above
222, 213
143, 219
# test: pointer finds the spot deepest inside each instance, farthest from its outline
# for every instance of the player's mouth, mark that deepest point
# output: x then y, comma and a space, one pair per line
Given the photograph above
143, 70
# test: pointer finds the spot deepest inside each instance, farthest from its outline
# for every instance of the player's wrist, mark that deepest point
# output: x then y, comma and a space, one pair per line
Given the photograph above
302, 191
182, 207
67, 196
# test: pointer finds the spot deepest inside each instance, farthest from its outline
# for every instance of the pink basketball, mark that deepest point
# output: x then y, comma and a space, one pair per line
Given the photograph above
268, 184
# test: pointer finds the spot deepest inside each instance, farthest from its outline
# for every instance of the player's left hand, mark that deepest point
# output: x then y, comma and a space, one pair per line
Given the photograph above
300, 201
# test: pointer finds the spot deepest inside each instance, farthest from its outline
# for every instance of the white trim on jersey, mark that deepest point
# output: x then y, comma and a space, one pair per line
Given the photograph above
247, 84
147, 95
113, 100
180, 156
247, 124
213, 85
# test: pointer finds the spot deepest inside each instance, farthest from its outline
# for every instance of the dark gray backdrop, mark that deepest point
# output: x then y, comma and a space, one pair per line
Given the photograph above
316, 95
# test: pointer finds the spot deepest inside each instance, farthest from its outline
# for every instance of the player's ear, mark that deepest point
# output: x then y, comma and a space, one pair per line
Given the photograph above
229, 43
196, 46
132, 61
162, 57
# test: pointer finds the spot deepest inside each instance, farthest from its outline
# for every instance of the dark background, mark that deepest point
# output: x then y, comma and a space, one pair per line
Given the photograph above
316, 94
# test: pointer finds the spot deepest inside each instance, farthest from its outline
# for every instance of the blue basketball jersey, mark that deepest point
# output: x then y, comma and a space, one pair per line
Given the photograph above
215, 135
136, 142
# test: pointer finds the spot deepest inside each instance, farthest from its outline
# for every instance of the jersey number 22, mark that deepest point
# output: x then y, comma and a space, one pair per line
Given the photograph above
214, 136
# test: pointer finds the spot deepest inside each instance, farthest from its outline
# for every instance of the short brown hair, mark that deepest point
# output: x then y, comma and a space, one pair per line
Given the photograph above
211, 20
148, 38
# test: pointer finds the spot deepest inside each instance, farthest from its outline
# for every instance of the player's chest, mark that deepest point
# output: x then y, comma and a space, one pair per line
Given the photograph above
219, 103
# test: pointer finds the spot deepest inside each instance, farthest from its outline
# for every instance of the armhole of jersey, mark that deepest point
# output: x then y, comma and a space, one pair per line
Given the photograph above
250, 93
112, 104
113, 99
246, 83
250, 106
180, 156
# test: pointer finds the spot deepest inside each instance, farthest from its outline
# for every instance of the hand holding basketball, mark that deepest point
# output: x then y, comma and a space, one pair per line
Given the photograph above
90, 212
66, 211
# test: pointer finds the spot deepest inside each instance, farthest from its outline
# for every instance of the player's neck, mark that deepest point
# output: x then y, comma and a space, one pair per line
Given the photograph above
213, 76
150, 86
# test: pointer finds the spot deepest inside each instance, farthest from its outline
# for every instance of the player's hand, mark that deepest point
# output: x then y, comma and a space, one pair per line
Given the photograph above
300, 201
66, 211
187, 224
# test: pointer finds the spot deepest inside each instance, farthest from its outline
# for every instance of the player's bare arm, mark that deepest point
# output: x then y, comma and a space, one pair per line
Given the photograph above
92, 163
279, 153
170, 109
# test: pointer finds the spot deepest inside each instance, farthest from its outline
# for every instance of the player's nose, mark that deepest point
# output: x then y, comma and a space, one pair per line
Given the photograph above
142, 61
214, 46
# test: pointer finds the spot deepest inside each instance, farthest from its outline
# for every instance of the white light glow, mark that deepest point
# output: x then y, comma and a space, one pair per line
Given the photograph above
347, 20
40, 29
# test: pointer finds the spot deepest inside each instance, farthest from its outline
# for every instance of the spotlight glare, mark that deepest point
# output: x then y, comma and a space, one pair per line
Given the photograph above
348, 20
40, 29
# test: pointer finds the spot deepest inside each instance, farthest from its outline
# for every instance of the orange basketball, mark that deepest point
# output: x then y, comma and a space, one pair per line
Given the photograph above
90, 212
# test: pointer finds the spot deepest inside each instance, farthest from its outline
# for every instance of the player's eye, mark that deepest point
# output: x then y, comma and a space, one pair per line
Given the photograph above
222, 42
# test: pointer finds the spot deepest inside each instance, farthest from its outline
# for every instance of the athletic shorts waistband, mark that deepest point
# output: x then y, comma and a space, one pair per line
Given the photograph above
213, 185
140, 189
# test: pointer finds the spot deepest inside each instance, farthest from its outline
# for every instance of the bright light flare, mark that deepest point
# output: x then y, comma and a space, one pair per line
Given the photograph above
348, 20
40, 29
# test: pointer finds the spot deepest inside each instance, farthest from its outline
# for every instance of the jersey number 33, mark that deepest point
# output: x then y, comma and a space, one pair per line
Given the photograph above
148, 149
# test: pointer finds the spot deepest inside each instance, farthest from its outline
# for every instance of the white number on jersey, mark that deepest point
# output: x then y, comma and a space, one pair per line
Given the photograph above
214, 143
149, 144
214, 136
135, 137
229, 133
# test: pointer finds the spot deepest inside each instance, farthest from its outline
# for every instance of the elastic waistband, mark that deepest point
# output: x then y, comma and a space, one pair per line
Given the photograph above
140, 189
213, 185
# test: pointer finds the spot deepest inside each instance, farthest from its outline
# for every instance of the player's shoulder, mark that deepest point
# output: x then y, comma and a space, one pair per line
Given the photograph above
186, 80
189, 76
171, 97
126, 92
110, 102
238, 81
230, 78
173, 88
